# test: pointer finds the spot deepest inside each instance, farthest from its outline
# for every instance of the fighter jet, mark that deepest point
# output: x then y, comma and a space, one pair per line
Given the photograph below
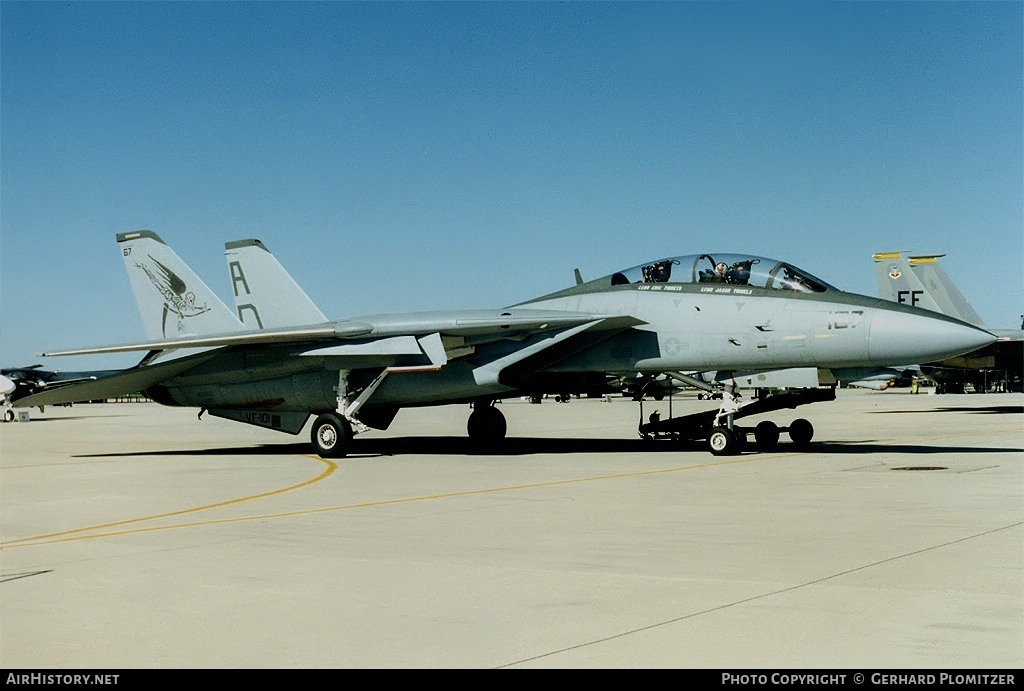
18, 382
262, 286
919, 280
738, 315
880, 379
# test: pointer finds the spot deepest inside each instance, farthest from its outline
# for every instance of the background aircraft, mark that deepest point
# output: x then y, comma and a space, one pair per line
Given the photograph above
6, 387
884, 378
18, 382
753, 319
919, 280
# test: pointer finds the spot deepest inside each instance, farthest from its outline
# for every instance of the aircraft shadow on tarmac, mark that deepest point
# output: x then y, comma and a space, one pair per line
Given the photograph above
868, 447
988, 410
529, 446
37, 420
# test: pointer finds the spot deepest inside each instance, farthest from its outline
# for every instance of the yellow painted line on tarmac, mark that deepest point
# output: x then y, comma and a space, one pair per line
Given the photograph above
62, 536
76, 535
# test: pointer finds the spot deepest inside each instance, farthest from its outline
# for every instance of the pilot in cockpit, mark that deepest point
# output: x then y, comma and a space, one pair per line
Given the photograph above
714, 275
795, 281
737, 274
659, 272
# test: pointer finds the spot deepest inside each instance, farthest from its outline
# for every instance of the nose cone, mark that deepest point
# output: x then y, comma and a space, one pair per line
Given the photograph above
918, 337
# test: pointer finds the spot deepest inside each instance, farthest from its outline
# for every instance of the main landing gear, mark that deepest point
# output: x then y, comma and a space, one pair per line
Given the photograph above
331, 435
725, 438
486, 423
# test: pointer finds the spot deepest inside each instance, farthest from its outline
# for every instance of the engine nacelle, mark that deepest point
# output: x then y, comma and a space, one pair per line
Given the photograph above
303, 392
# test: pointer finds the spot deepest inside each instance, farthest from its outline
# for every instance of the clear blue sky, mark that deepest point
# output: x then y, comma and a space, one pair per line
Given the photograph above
401, 157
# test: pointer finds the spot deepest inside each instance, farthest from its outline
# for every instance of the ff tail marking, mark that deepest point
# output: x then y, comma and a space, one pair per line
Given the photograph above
918, 280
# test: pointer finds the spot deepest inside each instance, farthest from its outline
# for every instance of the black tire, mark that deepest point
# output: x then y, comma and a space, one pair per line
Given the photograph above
722, 442
331, 436
766, 434
801, 431
8, 415
486, 425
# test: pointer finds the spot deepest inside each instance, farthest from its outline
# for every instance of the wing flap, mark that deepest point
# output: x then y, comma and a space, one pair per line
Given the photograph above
394, 345
406, 353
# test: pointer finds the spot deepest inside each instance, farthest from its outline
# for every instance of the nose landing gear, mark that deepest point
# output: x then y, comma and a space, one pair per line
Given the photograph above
725, 438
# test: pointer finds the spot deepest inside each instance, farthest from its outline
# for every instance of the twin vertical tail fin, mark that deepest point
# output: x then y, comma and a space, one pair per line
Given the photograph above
266, 296
919, 280
173, 301
940, 286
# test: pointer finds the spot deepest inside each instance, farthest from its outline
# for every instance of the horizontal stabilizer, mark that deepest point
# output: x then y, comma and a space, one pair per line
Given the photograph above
128, 381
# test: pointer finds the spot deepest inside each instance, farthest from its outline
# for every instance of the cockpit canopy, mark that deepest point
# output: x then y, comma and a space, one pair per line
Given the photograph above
726, 269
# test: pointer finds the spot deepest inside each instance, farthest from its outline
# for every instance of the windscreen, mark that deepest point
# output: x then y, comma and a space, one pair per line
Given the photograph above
726, 269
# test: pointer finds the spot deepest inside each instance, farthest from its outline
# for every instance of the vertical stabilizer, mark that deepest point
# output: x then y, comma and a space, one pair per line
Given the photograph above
898, 283
172, 300
918, 280
266, 296
941, 288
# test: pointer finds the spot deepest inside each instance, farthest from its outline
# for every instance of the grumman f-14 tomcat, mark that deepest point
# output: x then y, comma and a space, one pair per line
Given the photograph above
748, 319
